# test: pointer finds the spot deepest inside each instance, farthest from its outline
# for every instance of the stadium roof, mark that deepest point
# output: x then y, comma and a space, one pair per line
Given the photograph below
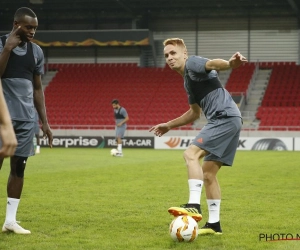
169, 8
68, 10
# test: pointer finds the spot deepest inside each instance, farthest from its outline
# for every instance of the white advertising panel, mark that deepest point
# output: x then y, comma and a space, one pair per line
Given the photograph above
266, 143
245, 143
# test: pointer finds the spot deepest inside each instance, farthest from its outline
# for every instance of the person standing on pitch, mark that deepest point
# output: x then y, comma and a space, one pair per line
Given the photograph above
121, 117
217, 141
21, 67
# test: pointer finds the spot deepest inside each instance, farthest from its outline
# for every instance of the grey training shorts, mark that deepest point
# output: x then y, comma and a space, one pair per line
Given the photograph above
220, 137
24, 133
120, 131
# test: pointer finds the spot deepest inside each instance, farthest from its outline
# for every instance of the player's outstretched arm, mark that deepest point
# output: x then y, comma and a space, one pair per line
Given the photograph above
9, 141
7, 134
188, 117
160, 129
219, 64
237, 60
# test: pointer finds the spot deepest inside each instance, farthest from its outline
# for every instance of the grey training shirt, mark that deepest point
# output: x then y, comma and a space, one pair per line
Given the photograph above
18, 92
204, 88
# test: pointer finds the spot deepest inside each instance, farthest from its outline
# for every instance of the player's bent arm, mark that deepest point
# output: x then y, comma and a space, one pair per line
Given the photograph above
12, 41
4, 56
188, 117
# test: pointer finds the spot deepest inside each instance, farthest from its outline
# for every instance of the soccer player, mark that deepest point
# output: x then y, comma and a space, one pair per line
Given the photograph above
8, 141
121, 117
21, 67
217, 141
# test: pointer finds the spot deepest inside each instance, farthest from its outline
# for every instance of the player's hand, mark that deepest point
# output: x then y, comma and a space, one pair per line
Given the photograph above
13, 40
47, 133
237, 60
160, 129
9, 141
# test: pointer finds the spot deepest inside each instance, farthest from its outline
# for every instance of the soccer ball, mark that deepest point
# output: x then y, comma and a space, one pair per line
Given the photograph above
113, 152
184, 228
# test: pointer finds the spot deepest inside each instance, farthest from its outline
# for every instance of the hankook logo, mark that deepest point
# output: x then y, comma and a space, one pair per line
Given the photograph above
173, 142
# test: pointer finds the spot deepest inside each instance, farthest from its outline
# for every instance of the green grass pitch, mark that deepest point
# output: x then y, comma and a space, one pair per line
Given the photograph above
87, 199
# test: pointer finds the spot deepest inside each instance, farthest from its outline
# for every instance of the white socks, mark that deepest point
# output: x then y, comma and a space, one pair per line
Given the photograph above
213, 210
11, 209
195, 187
120, 148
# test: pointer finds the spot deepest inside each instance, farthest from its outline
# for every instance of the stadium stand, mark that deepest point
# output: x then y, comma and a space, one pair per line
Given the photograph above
239, 79
81, 94
280, 108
